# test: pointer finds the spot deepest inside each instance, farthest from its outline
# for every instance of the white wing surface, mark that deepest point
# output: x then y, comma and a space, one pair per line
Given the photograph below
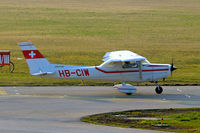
121, 56
125, 55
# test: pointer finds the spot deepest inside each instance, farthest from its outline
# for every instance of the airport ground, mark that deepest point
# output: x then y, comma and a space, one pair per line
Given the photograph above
79, 32
59, 109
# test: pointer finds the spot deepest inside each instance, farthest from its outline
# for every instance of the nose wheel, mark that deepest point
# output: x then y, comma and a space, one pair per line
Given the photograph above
158, 89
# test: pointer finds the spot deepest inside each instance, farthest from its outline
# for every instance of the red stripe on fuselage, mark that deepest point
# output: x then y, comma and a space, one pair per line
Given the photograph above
158, 66
130, 70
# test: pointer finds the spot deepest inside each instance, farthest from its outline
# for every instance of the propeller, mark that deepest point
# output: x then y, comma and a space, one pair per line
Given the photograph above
172, 68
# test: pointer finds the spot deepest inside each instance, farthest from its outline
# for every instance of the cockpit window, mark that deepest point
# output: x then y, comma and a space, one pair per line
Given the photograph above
113, 64
129, 64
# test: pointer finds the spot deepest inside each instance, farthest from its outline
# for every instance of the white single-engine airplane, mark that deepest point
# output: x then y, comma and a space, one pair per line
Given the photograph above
118, 66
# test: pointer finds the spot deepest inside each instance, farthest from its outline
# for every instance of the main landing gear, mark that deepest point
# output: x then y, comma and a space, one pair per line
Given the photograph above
158, 89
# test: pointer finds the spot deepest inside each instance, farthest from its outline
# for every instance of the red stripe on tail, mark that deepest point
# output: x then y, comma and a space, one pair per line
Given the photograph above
32, 54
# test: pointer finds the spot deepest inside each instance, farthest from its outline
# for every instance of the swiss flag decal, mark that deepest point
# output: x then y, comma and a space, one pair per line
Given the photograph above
32, 54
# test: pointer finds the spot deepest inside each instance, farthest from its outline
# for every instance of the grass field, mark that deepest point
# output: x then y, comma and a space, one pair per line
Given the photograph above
178, 120
79, 32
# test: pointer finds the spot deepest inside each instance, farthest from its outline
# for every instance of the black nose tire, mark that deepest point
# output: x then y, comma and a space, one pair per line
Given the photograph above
159, 90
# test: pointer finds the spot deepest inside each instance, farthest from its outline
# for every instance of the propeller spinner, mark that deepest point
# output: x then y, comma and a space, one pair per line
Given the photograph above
172, 68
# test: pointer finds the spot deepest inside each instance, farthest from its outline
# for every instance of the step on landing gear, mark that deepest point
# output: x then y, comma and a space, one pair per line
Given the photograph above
158, 89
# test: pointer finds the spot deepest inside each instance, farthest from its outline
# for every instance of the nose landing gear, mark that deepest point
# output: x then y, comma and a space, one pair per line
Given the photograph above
158, 89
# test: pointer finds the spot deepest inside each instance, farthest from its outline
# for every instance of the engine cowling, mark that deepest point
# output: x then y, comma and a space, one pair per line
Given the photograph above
125, 88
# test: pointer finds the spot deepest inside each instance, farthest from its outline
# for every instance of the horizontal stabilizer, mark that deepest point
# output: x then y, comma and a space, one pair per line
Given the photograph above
43, 73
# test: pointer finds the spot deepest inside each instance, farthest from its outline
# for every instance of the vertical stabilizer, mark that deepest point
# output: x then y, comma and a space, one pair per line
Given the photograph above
38, 65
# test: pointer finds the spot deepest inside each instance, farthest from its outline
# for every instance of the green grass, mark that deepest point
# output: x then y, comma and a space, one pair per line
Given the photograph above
69, 32
179, 120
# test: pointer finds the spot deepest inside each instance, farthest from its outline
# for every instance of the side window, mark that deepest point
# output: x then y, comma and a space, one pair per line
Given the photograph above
113, 64
129, 64
109, 64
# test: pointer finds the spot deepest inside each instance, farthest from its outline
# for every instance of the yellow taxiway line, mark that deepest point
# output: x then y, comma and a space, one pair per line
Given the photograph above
3, 92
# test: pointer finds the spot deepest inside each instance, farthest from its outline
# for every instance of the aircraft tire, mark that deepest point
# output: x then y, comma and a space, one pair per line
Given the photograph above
159, 90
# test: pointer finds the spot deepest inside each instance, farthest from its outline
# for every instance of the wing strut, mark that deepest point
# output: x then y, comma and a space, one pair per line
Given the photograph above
140, 69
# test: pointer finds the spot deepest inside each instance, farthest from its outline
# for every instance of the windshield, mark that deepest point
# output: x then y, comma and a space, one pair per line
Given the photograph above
145, 62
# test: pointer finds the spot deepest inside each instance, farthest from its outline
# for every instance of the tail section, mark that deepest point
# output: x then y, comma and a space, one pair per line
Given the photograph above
38, 65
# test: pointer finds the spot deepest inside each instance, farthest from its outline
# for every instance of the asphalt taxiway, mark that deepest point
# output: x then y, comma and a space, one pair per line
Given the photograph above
59, 109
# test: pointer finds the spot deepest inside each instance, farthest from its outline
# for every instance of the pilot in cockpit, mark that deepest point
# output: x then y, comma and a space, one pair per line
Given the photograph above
128, 64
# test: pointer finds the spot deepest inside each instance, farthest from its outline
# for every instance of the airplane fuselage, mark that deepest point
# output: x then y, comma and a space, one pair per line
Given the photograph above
150, 72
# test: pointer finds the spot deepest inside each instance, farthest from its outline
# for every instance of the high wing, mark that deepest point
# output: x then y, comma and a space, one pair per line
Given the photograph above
121, 56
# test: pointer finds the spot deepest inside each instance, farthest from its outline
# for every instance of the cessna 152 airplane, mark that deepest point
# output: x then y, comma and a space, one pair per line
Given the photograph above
117, 66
